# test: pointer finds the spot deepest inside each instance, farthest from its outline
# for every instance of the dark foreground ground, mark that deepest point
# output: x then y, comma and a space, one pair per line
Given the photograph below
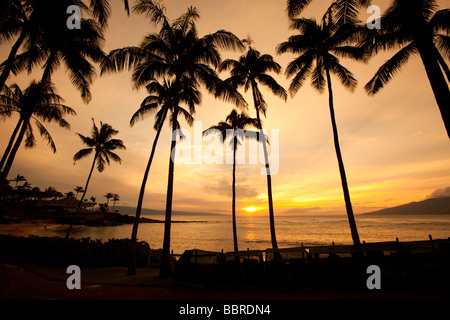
26, 281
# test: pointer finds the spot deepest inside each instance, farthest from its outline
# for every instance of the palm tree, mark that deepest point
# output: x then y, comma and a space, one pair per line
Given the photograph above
161, 96
108, 197
78, 189
69, 194
318, 44
415, 26
234, 127
102, 145
93, 203
115, 198
250, 70
347, 9
39, 103
44, 41
177, 54
18, 178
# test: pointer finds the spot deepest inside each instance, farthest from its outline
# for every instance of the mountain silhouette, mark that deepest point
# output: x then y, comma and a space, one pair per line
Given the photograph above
434, 206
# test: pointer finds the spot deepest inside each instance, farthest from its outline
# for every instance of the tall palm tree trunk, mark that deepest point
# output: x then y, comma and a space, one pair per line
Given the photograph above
233, 210
437, 80
166, 264
10, 61
268, 174
348, 204
10, 143
132, 266
12, 154
82, 198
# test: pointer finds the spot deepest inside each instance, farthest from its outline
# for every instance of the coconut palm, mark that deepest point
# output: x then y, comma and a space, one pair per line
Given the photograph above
93, 203
318, 46
45, 42
347, 9
162, 97
69, 194
418, 28
176, 53
115, 198
17, 179
233, 127
108, 197
38, 103
78, 189
250, 70
102, 145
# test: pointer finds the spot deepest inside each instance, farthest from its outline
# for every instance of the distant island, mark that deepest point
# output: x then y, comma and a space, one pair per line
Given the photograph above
434, 206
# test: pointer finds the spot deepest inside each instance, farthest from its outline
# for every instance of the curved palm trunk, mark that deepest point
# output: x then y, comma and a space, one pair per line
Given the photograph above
348, 204
235, 240
82, 198
268, 174
12, 155
166, 263
132, 266
11, 143
437, 80
10, 61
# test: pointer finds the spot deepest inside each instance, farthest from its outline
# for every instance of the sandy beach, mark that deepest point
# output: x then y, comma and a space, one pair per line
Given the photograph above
25, 228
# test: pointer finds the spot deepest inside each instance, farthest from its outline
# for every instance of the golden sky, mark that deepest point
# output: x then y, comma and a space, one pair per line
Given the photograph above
394, 145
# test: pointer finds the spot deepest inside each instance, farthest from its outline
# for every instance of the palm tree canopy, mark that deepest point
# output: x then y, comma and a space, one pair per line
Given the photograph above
165, 97
319, 44
176, 52
234, 126
38, 102
102, 144
49, 42
407, 23
252, 68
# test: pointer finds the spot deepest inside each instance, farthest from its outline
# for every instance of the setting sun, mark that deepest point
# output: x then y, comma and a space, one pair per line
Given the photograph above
250, 209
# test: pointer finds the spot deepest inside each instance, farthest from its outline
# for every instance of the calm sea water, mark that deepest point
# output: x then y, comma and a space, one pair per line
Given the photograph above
215, 232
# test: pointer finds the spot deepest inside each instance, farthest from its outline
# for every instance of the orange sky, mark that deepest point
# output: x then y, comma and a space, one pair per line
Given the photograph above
394, 145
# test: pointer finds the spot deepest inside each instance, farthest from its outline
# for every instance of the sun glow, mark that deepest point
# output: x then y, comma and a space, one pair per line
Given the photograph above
250, 209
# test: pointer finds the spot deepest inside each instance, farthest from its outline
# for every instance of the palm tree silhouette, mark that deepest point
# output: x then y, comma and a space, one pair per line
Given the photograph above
78, 189
102, 145
17, 179
250, 70
418, 28
38, 103
108, 197
233, 127
177, 54
93, 203
115, 198
45, 41
318, 44
162, 97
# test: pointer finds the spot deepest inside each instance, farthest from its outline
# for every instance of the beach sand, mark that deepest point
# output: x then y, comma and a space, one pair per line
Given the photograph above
26, 228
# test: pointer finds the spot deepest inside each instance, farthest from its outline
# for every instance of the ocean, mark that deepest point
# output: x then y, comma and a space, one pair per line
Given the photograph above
214, 232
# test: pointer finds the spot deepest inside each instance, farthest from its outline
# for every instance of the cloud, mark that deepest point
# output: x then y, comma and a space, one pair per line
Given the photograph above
440, 193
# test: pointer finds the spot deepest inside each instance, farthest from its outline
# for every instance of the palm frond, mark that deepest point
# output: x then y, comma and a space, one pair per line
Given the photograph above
295, 7
391, 67
46, 135
83, 153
